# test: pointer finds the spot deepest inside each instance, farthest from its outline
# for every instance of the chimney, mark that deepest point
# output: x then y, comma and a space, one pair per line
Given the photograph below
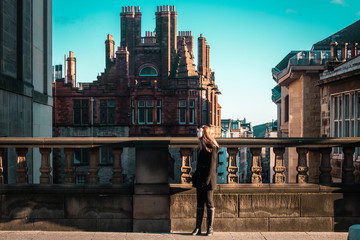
354, 50
344, 52
333, 46
71, 69
109, 50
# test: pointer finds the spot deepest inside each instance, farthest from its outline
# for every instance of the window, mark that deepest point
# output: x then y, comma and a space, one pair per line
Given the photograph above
286, 107
345, 115
141, 112
158, 111
132, 112
81, 111
106, 156
146, 111
182, 111
204, 113
235, 126
107, 112
192, 111
148, 71
81, 156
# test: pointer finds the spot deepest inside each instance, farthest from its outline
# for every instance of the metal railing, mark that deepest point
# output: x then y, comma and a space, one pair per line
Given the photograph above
186, 145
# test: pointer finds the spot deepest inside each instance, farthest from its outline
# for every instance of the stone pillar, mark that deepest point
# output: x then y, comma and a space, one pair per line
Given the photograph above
69, 166
279, 168
1, 166
185, 165
21, 169
325, 168
93, 169
45, 169
348, 165
302, 168
151, 200
232, 166
117, 177
256, 168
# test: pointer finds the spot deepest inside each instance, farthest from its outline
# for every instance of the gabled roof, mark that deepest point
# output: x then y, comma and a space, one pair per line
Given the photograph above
184, 64
349, 34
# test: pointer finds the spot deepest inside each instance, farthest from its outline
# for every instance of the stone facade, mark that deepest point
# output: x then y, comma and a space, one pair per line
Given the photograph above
150, 86
304, 104
25, 78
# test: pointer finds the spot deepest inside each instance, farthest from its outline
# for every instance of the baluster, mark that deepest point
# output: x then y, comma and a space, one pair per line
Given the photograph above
69, 166
302, 168
117, 177
93, 177
1, 166
232, 166
256, 168
21, 169
348, 165
185, 164
325, 168
45, 168
279, 168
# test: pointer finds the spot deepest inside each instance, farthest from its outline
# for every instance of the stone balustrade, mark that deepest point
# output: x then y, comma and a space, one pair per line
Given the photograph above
151, 204
186, 145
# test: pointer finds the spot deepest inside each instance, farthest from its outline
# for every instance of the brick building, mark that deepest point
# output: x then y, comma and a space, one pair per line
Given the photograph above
150, 86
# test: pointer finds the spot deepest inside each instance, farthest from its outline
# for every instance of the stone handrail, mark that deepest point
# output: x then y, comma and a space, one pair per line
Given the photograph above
186, 145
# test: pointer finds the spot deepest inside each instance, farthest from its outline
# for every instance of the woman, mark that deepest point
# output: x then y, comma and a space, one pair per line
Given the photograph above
204, 179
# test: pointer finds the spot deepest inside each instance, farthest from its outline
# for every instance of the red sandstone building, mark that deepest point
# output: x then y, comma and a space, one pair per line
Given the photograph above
150, 86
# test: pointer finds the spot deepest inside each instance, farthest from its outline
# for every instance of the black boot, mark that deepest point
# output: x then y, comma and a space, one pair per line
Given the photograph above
199, 218
210, 221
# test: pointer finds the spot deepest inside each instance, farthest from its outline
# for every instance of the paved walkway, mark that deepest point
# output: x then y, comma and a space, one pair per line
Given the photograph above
42, 235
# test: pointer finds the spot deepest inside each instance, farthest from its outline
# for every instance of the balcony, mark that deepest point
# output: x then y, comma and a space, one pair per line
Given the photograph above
151, 204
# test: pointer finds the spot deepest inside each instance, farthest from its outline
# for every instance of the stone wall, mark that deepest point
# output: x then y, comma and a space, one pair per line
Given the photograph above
288, 207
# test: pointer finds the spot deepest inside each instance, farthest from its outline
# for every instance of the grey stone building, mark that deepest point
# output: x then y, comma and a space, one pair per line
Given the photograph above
25, 78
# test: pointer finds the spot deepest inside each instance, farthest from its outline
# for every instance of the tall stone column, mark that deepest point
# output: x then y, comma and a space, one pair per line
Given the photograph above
185, 164
21, 169
45, 169
232, 166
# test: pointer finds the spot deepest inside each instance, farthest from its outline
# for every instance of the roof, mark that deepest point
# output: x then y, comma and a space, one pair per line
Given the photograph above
184, 63
350, 34
284, 62
259, 130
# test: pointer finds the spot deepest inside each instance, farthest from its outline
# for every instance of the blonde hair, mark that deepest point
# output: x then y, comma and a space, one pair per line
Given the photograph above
207, 141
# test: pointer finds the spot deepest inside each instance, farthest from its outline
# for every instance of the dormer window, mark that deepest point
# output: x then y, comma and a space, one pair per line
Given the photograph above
148, 72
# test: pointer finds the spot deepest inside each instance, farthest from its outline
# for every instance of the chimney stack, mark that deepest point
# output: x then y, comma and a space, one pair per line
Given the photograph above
333, 46
354, 50
71, 69
109, 50
344, 52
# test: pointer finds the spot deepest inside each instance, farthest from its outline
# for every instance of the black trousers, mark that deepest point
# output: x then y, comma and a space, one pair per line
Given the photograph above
205, 196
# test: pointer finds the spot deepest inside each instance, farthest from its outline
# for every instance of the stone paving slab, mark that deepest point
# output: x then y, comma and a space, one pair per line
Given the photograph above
43, 235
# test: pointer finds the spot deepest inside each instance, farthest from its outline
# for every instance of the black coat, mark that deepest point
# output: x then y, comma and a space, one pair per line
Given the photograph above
205, 173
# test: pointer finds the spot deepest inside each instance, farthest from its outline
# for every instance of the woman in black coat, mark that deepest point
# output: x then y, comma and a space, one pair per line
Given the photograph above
204, 179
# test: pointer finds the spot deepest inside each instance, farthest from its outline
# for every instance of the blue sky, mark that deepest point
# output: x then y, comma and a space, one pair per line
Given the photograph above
246, 38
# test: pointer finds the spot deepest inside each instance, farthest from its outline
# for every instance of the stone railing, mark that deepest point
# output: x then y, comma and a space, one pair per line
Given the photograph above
130, 207
186, 145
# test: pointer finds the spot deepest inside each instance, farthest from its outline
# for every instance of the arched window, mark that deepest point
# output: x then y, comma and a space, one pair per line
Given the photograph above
148, 71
